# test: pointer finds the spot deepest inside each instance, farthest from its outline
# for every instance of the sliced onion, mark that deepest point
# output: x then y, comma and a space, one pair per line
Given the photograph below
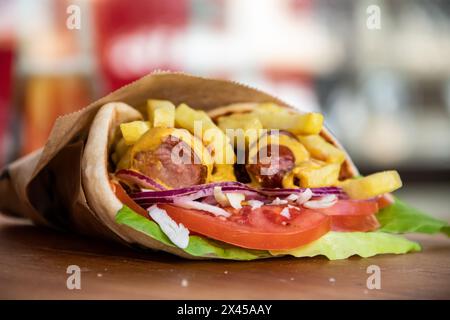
226, 186
141, 180
329, 198
324, 202
232, 199
235, 199
304, 196
190, 204
316, 191
292, 197
278, 201
206, 191
198, 194
285, 212
220, 197
255, 204
150, 197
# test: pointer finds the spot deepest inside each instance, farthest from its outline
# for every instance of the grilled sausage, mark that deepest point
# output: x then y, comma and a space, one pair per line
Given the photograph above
159, 164
279, 165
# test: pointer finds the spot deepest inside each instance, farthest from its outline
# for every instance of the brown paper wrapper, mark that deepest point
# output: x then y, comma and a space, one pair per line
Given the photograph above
46, 186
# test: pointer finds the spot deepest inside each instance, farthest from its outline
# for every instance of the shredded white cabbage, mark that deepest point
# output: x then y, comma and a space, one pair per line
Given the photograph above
255, 204
278, 201
324, 202
235, 199
285, 213
177, 233
220, 197
232, 199
292, 197
191, 204
304, 196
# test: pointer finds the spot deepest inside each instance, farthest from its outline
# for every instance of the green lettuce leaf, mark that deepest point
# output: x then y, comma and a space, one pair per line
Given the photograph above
341, 245
198, 246
401, 218
333, 245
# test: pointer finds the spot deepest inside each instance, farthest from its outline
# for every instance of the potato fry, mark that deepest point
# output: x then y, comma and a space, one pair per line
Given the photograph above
241, 127
323, 176
276, 117
201, 125
132, 131
288, 181
373, 185
321, 149
161, 113
186, 117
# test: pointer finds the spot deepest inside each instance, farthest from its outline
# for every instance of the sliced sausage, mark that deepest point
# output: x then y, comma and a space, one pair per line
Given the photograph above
279, 165
159, 164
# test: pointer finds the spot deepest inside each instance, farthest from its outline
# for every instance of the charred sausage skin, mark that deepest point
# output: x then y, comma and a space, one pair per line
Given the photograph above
159, 164
280, 163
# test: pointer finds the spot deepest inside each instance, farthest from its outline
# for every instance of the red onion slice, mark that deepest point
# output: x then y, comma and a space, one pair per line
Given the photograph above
226, 186
206, 192
141, 180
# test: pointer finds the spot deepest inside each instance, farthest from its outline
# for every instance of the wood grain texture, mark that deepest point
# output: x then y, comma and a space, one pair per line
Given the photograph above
33, 263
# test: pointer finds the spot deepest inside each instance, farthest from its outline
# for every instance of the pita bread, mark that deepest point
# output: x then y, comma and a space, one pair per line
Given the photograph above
95, 175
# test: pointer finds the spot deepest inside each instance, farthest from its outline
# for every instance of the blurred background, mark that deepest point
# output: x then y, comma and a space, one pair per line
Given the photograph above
379, 70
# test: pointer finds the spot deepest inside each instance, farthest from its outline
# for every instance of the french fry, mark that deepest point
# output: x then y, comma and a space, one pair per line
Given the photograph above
245, 127
276, 117
323, 176
288, 181
201, 125
186, 117
161, 113
132, 131
321, 149
373, 185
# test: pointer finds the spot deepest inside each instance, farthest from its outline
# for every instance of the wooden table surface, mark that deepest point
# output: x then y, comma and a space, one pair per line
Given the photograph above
33, 264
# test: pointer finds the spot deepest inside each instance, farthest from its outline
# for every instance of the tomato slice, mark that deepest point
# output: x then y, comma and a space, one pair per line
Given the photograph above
260, 228
265, 228
353, 215
355, 223
385, 201
351, 208
122, 195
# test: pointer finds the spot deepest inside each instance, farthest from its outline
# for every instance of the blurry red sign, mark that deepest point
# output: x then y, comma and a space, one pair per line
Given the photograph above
6, 68
133, 39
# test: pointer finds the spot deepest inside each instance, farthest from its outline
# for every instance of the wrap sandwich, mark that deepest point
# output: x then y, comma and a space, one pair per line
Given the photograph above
205, 168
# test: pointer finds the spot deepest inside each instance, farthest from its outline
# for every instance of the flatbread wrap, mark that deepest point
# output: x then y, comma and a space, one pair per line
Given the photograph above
204, 168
